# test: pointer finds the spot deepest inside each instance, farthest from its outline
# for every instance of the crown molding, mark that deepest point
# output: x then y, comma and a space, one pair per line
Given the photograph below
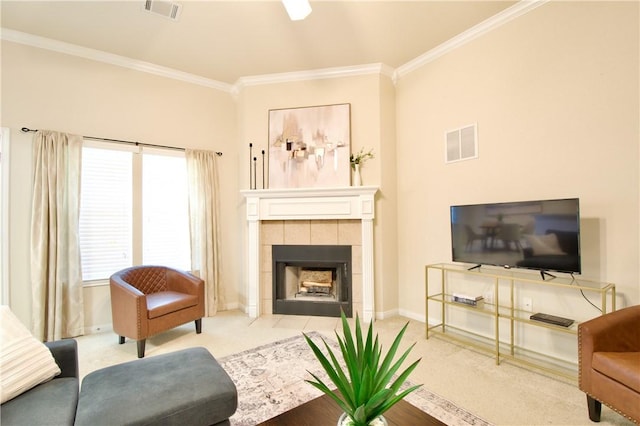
318, 74
507, 15
109, 58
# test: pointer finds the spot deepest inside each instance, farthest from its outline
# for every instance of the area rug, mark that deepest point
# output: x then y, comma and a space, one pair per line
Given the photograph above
271, 380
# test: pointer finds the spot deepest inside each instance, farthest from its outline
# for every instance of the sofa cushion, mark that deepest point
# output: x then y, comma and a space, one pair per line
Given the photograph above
24, 361
51, 403
186, 387
623, 367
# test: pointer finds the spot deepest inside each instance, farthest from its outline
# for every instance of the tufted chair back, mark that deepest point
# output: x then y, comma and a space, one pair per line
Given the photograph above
147, 279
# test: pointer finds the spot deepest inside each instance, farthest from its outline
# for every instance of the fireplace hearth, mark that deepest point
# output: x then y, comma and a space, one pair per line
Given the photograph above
312, 280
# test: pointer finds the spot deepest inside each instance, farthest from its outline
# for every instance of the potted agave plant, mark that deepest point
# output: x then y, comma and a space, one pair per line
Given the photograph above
368, 387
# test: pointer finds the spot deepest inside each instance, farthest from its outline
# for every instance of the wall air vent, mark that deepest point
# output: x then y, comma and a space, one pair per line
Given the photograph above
166, 9
461, 144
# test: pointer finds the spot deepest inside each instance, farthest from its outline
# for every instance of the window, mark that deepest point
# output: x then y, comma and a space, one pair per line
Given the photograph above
165, 231
133, 210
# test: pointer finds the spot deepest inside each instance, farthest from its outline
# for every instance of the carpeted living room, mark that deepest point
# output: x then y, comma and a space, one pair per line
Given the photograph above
469, 169
461, 386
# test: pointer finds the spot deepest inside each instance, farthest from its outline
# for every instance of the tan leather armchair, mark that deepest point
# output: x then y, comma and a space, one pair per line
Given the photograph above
146, 300
609, 362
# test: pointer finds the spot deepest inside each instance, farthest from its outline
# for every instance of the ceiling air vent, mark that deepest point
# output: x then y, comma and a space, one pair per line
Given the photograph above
163, 8
461, 144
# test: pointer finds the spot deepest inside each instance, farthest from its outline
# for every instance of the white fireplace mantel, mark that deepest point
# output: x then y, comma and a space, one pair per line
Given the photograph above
310, 204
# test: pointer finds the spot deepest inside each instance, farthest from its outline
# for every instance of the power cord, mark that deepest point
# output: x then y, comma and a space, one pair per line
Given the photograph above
574, 280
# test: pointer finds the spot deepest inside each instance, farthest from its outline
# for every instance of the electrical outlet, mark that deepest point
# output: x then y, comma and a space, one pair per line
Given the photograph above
527, 304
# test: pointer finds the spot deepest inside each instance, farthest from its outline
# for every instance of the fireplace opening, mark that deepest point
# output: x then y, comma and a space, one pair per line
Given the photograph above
312, 280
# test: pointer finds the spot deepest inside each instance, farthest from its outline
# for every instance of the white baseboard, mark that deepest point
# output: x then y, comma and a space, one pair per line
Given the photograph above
98, 329
412, 315
232, 306
386, 314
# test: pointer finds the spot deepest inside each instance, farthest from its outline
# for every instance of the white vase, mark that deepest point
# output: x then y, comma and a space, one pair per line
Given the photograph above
357, 179
345, 420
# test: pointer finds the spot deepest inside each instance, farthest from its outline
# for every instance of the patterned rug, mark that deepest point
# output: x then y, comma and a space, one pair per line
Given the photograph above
271, 380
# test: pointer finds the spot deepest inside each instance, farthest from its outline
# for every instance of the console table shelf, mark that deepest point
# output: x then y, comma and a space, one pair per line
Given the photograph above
503, 312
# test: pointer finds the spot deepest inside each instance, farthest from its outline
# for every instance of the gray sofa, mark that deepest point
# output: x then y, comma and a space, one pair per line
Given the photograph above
183, 387
50, 403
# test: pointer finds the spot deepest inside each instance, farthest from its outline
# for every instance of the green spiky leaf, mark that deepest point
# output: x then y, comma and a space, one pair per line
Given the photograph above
362, 383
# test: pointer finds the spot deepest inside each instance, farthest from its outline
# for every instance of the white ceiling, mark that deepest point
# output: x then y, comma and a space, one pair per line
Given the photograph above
226, 40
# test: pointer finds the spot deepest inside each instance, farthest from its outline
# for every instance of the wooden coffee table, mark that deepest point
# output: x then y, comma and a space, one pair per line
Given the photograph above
323, 411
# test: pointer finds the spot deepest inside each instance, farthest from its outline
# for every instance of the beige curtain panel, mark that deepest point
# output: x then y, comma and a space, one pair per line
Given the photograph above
56, 276
204, 223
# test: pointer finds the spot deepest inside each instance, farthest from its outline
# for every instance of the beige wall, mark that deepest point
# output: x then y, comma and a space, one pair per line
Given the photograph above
386, 237
47, 90
555, 97
53, 91
371, 98
554, 94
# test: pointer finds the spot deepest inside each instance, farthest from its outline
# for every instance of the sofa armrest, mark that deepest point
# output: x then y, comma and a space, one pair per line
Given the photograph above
65, 353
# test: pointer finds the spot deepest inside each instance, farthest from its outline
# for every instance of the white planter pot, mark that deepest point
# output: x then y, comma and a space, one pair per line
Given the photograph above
345, 420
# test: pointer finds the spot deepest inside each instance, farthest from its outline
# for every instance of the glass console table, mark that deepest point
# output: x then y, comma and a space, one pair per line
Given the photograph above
507, 320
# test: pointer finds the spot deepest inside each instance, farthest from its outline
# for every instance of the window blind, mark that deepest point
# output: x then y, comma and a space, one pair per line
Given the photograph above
105, 212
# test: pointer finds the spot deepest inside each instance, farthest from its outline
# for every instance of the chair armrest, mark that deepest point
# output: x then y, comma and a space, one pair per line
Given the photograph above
184, 282
613, 332
128, 304
65, 353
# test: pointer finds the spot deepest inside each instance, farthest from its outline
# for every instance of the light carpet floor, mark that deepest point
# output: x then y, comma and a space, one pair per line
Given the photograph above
501, 395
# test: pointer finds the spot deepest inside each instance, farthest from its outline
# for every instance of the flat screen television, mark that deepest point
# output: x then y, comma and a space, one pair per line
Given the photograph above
538, 234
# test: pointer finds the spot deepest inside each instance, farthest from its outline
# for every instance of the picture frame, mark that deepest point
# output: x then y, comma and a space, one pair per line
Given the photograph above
309, 147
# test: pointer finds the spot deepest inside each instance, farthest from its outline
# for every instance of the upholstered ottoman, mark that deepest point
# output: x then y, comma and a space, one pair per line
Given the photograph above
186, 387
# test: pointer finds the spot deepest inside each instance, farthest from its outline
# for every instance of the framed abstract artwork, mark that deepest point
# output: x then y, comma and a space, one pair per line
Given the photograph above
309, 147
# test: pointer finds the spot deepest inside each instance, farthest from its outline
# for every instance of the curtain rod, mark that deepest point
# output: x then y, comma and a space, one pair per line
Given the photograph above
26, 130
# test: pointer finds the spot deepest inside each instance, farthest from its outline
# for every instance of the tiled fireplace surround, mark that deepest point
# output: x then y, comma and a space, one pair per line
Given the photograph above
309, 232
335, 216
